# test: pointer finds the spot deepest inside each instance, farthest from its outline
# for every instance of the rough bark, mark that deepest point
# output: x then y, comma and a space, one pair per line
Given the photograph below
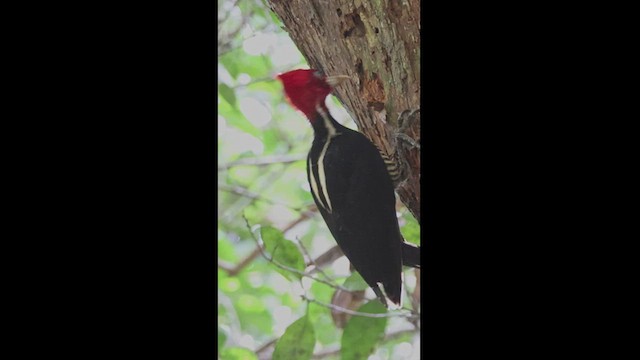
377, 43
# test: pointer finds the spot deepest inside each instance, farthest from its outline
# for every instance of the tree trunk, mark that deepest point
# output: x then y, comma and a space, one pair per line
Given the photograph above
377, 43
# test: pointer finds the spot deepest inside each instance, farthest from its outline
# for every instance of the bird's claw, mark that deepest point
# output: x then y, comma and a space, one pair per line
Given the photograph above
406, 138
405, 120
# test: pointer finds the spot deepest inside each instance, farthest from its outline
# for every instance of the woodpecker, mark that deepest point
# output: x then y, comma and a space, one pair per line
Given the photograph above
351, 185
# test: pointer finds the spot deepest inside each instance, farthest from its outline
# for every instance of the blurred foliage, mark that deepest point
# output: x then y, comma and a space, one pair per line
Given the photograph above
362, 334
297, 342
262, 147
283, 252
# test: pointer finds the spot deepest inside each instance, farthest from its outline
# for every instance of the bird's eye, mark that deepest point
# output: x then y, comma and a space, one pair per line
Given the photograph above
318, 74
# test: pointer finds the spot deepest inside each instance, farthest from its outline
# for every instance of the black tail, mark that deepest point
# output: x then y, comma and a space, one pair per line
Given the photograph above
392, 290
410, 255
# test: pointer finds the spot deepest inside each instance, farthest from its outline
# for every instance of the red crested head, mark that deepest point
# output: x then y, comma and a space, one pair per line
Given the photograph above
307, 89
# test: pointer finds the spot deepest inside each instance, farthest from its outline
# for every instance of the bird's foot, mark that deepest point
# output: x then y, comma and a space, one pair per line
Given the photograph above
405, 120
407, 139
403, 143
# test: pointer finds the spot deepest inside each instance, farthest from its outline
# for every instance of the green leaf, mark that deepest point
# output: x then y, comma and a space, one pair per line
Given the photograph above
227, 93
237, 353
362, 334
271, 237
326, 331
411, 230
282, 251
297, 342
355, 282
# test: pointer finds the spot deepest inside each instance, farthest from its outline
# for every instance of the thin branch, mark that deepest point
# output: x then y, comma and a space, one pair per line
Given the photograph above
225, 266
264, 182
232, 271
242, 264
411, 315
287, 268
262, 161
266, 346
358, 313
238, 190
327, 258
227, 50
312, 262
